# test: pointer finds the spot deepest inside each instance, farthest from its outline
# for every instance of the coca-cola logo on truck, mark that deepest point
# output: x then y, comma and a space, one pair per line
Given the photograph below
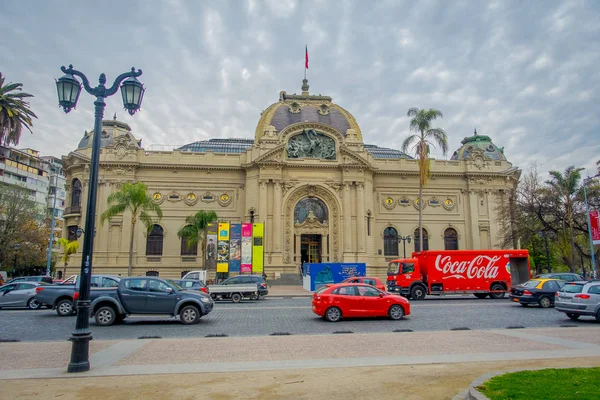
479, 267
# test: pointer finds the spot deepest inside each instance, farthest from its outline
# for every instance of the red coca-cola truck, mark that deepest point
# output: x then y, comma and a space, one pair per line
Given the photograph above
480, 272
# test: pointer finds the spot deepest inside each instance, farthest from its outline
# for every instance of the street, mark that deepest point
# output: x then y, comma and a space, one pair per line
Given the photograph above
289, 316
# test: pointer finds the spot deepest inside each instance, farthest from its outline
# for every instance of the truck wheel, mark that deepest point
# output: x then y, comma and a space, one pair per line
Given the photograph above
418, 292
333, 314
574, 317
32, 304
105, 316
497, 295
544, 302
64, 308
481, 295
396, 312
189, 315
236, 297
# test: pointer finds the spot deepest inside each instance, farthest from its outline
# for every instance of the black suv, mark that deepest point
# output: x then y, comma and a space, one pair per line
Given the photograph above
563, 276
246, 279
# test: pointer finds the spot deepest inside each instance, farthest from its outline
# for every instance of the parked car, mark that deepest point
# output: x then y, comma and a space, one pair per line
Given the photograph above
345, 300
563, 276
366, 280
38, 278
191, 284
148, 295
579, 298
536, 291
20, 294
248, 279
60, 297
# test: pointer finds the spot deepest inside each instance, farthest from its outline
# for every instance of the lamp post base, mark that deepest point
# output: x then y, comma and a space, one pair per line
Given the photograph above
80, 360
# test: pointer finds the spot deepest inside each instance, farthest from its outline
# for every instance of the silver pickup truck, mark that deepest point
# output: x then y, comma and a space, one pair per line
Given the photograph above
60, 296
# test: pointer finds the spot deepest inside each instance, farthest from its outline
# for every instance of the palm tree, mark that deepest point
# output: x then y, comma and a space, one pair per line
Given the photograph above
132, 197
69, 248
195, 229
566, 186
14, 112
426, 137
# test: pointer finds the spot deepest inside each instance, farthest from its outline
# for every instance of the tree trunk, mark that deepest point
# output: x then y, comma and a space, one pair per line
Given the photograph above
420, 215
130, 266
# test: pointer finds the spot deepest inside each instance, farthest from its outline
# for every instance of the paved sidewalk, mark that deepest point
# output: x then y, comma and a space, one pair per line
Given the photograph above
265, 365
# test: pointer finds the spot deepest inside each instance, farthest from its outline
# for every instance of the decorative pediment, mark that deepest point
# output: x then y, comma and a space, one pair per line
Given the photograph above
352, 159
311, 225
272, 156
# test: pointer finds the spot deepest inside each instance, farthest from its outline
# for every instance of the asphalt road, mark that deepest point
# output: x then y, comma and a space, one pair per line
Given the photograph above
292, 316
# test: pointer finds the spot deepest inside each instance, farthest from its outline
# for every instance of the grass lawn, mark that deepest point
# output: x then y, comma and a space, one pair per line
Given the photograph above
572, 383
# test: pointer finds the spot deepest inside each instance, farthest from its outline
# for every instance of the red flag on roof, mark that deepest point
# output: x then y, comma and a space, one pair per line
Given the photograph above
306, 59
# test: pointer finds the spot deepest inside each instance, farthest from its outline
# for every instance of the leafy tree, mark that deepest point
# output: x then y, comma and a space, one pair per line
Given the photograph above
69, 248
427, 136
132, 197
14, 112
195, 228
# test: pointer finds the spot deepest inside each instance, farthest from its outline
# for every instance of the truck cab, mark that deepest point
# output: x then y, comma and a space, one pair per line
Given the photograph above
401, 275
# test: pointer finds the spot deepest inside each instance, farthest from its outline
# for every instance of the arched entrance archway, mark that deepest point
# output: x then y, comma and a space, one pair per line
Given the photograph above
313, 223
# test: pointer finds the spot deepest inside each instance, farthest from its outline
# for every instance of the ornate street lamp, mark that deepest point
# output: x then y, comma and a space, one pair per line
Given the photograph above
69, 88
404, 239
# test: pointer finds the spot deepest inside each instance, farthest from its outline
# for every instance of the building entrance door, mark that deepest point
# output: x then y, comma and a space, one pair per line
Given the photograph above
310, 249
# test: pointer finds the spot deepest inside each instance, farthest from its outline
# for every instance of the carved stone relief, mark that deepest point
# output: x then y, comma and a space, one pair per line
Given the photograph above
310, 144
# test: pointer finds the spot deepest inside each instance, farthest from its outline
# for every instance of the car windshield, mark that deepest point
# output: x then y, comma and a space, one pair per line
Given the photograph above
572, 288
531, 284
393, 268
174, 284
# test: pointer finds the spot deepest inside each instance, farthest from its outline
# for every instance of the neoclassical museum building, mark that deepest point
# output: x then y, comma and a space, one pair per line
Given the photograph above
321, 192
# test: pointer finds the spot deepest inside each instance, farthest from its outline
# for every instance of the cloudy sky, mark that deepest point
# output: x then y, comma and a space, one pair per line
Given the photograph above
525, 73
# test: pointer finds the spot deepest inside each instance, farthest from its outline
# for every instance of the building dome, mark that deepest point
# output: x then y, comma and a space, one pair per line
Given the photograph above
293, 108
481, 144
111, 129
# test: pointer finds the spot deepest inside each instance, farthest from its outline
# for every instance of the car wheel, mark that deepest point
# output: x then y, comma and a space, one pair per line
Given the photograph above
481, 295
236, 298
333, 314
396, 312
574, 317
64, 308
544, 302
497, 295
105, 316
189, 315
32, 304
598, 316
254, 296
418, 292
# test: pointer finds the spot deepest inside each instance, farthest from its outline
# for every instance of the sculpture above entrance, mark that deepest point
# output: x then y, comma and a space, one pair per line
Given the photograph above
311, 144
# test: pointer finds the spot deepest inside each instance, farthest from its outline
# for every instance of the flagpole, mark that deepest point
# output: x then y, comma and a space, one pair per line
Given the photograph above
305, 51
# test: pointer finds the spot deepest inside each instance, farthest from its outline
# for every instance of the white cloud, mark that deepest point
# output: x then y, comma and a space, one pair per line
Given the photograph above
281, 8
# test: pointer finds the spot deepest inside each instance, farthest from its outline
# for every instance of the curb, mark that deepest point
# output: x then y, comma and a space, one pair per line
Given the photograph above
473, 394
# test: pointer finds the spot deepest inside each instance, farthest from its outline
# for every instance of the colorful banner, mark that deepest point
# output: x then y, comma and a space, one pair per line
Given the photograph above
235, 247
258, 231
211, 247
223, 247
246, 265
595, 224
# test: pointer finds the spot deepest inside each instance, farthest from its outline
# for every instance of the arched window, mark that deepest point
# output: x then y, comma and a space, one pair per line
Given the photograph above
390, 242
450, 239
418, 240
76, 193
154, 242
308, 204
188, 250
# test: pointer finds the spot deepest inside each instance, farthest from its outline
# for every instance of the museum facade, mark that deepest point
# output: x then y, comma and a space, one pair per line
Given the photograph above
321, 192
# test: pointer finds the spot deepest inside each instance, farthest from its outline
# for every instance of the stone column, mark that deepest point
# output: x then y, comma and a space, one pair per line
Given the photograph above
277, 217
262, 202
298, 252
325, 246
361, 232
347, 228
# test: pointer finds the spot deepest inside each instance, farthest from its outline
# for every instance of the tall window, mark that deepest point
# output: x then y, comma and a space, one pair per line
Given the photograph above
188, 250
76, 193
390, 242
154, 242
450, 239
72, 232
418, 240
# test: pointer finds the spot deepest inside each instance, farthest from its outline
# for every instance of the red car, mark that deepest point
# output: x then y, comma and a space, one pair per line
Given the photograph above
366, 279
357, 300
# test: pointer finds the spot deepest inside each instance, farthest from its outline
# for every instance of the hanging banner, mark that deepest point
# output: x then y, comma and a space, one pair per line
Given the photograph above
246, 265
595, 224
223, 247
211, 248
235, 247
258, 232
